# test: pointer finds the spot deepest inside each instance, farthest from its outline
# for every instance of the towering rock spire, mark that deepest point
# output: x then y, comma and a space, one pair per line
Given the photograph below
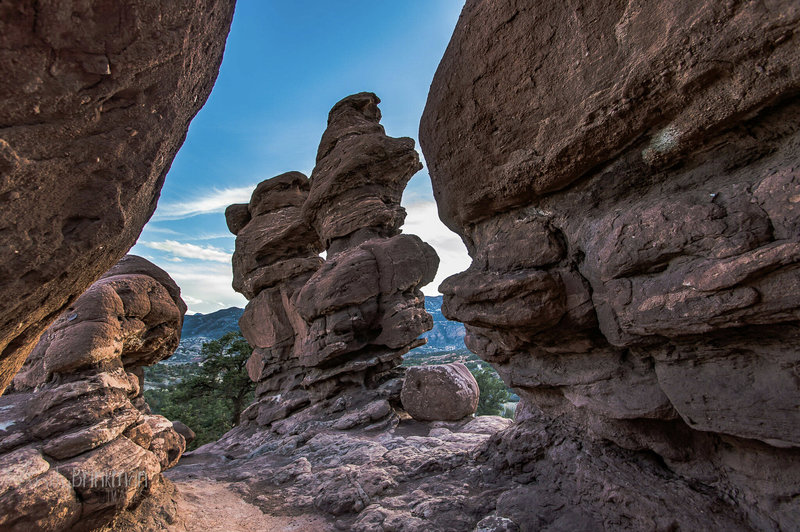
329, 335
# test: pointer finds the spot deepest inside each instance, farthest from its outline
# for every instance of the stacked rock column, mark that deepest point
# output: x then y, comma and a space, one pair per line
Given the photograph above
329, 339
276, 252
78, 445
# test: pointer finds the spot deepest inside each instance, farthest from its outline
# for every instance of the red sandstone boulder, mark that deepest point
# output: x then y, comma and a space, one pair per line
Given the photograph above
445, 392
187, 433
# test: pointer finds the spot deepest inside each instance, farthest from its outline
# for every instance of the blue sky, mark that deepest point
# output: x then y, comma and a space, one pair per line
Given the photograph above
286, 63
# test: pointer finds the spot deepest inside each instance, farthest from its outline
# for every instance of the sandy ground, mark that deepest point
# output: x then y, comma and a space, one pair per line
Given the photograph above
207, 505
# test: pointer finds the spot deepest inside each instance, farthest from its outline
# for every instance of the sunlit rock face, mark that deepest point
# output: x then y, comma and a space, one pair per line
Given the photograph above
329, 335
626, 178
78, 443
95, 98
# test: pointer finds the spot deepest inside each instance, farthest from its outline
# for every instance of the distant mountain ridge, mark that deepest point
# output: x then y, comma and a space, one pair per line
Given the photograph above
446, 335
212, 325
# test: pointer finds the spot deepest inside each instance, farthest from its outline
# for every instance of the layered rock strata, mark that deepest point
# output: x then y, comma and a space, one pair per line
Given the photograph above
95, 100
78, 444
626, 180
329, 334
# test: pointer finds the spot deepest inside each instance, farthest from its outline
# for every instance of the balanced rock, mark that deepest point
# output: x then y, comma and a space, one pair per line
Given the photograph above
76, 433
96, 97
626, 184
445, 392
329, 335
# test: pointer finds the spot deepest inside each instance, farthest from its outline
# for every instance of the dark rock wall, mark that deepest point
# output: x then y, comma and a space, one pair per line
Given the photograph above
78, 444
95, 100
626, 179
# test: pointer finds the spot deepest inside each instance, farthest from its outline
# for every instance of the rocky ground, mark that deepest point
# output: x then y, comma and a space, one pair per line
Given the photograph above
350, 481
480, 474
218, 506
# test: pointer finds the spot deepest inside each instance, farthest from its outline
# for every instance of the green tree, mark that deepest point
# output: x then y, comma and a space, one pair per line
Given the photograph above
210, 397
223, 374
493, 392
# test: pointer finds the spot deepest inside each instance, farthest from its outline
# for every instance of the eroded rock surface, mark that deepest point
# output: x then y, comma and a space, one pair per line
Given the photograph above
75, 433
96, 98
329, 335
327, 436
625, 177
539, 474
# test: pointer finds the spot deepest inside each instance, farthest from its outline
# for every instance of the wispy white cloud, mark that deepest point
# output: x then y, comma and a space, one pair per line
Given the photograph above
206, 286
215, 200
423, 220
191, 300
163, 230
212, 236
190, 251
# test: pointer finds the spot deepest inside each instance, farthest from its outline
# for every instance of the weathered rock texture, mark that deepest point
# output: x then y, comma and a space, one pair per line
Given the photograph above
78, 444
327, 437
540, 474
443, 392
626, 179
328, 335
95, 99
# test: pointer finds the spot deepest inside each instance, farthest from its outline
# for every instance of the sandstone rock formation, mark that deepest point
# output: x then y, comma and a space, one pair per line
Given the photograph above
78, 444
182, 429
625, 177
328, 335
444, 392
323, 438
96, 98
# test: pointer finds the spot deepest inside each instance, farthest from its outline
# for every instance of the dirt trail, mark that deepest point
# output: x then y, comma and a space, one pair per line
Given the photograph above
208, 505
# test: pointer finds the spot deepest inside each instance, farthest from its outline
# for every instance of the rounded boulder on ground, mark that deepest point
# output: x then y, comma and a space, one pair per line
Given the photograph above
445, 392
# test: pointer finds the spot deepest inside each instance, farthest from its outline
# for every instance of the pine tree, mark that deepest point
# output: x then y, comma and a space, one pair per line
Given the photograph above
493, 393
210, 397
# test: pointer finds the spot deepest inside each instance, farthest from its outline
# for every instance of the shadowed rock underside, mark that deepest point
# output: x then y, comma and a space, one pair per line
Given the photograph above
626, 179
